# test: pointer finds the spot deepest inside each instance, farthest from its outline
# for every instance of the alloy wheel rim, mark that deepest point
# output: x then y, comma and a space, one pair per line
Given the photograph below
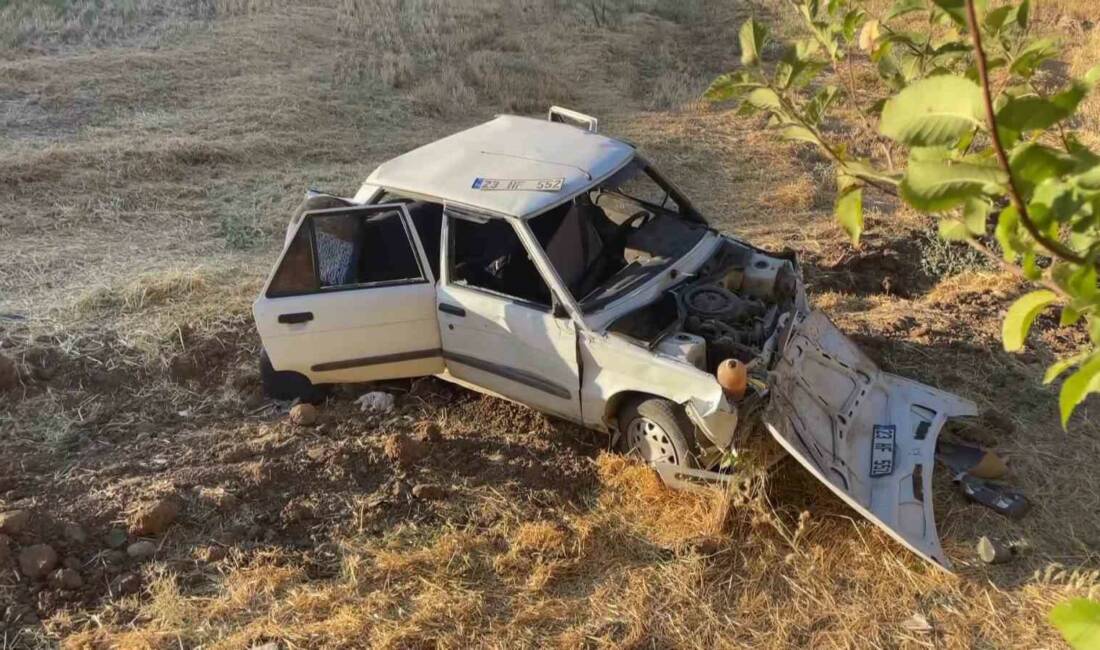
647, 440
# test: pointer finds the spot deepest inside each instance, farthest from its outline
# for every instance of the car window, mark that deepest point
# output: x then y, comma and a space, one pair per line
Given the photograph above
347, 249
632, 189
490, 256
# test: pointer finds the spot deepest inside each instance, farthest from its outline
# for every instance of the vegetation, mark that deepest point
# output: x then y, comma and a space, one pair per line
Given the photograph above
957, 126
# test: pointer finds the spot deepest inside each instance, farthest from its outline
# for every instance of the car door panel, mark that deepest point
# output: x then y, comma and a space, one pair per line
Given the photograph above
868, 435
366, 331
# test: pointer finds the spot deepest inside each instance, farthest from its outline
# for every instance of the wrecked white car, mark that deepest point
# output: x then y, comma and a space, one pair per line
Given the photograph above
545, 263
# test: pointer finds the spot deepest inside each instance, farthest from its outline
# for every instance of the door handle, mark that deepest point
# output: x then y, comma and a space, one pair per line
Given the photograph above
298, 317
452, 309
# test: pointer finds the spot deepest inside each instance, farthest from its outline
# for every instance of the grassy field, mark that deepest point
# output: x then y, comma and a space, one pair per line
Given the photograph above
151, 152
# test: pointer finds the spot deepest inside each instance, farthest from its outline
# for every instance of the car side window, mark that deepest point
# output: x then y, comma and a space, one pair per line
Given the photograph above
490, 256
346, 250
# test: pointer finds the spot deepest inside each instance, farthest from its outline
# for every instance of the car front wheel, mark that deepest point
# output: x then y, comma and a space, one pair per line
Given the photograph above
656, 431
286, 385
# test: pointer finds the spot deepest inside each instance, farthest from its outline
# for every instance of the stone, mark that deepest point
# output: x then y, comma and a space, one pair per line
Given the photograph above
115, 557
5, 552
66, 579
217, 497
142, 550
154, 518
993, 552
73, 563
14, 522
304, 415
126, 584
38, 560
74, 532
428, 492
212, 553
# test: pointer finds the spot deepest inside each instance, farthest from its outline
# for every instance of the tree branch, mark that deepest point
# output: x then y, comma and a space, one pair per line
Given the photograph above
1053, 246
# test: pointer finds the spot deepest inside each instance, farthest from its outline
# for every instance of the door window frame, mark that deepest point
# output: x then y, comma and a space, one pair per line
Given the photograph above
416, 248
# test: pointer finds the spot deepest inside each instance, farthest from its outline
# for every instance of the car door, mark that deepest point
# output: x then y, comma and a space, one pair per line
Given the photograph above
500, 333
352, 299
868, 435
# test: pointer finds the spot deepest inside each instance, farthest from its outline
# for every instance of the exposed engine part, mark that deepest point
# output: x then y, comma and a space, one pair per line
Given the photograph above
685, 347
713, 301
733, 377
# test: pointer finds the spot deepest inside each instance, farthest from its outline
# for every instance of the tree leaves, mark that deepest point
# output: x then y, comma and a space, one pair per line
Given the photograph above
936, 186
849, 213
1078, 620
1078, 386
1021, 315
753, 35
933, 111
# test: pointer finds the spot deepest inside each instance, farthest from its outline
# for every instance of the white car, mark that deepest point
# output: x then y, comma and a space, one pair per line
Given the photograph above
544, 263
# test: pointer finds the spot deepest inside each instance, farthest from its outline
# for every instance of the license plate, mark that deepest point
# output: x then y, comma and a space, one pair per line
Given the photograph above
518, 184
882, 450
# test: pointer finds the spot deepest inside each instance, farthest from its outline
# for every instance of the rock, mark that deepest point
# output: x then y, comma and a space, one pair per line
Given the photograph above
155, 518
116, 538
317, 453
217, 497
428, 431
126, 584
9, 374
14, 522
73, 563
375, 402
74, 532
142, 550
66, 579
211, 553
428, 492
403, 450
114, 557
994, 552
5, 552
38, 560
270, 645
917, 623
304, 415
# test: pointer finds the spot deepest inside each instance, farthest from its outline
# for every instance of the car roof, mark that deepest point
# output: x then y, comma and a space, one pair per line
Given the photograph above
508, 147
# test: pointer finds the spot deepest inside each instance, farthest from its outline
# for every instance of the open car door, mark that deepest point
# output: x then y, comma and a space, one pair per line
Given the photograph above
868, 435
352, 299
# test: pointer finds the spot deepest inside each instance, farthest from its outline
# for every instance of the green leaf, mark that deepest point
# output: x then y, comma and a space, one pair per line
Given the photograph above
954, 230
1021, 13
1082, 382
933, 111
849, 213
1008, 234
1078, 620
799, 133
1021, 315
1031, 113
729, 86
1032, 163
763, 98
939, 186
819, 105
1058, 367
954, 8
975, 215
902, 7
995, 19
1033, 55
752, 36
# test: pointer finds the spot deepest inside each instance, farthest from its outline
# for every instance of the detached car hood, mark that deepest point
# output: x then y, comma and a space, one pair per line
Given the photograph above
868, 435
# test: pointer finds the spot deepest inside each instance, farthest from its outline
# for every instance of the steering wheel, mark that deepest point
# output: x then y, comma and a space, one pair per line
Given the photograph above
623, 231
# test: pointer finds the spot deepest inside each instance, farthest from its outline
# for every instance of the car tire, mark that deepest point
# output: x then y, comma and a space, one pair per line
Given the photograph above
657, 430
288, 385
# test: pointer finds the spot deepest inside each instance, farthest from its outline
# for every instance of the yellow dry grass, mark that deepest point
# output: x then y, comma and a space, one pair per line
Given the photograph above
127, 169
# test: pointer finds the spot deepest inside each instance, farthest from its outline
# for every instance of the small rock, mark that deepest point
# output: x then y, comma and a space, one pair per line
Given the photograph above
5, 551
142, 550
154, 518
304, 415
428, 492
114, 557
126, 584
14, 522
116, 538
73, 563
74, 532
375, 402
993, 552
917, 623
704, 545
403, 450
270, 645
66, 579
217, 497
38, 560
428, 431
317, 453
211, 553
9, 374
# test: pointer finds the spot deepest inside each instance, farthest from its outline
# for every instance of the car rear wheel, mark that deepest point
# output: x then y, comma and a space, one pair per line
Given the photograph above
287, 385
656, 430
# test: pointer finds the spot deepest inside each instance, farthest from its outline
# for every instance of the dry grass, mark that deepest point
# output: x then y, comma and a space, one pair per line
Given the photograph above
145, 190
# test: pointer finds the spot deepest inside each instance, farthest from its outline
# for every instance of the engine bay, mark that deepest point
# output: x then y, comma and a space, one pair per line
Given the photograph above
729, 309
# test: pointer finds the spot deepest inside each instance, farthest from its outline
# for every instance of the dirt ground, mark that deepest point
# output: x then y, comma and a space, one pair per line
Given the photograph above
150, 155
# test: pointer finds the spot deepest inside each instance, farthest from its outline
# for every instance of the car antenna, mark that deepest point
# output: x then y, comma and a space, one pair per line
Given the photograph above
547, 162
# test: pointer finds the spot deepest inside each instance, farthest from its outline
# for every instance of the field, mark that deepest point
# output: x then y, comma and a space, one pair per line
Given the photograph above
151, 152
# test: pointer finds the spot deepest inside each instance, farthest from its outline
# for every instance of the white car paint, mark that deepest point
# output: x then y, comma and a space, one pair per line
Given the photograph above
827, 398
